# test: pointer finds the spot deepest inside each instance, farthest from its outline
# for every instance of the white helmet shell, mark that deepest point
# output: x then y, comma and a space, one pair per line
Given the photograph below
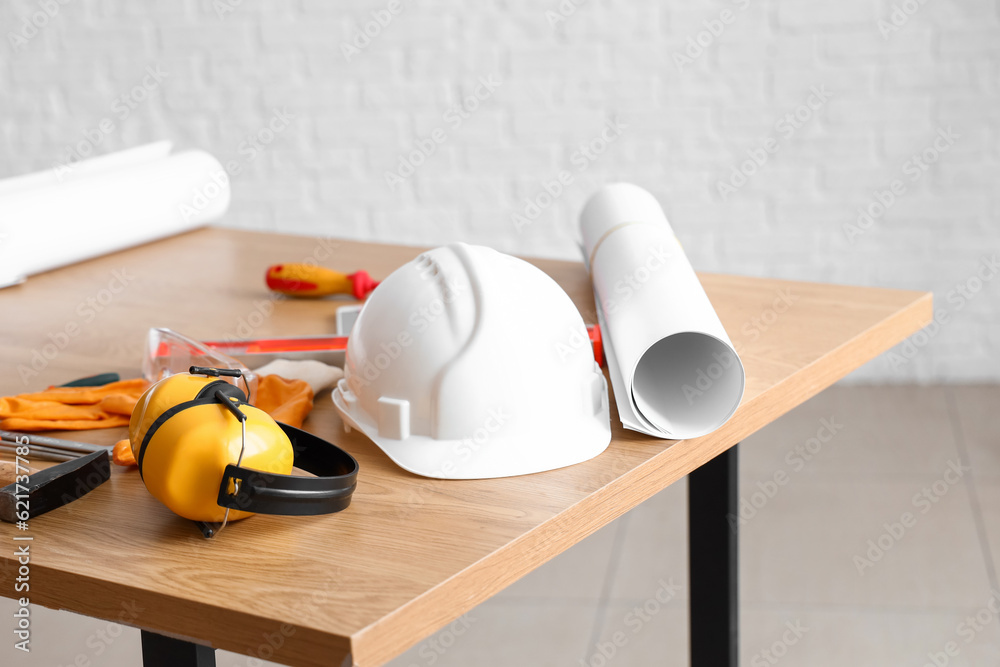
466, 363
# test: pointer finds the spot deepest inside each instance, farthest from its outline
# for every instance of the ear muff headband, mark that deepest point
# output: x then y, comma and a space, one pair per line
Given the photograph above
293, 495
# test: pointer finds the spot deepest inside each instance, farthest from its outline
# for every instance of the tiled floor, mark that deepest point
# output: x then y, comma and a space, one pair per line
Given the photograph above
797, 550
814, 591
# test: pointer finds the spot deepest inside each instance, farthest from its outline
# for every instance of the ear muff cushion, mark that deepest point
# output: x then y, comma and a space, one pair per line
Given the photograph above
159, 398
183, 459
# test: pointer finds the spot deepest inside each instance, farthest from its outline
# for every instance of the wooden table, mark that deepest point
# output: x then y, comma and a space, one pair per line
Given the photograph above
411, 554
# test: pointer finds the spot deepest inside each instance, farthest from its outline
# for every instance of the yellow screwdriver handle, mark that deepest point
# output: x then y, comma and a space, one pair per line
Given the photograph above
311, 281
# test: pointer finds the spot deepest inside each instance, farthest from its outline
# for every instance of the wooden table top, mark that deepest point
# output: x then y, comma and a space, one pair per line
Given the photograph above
410, 554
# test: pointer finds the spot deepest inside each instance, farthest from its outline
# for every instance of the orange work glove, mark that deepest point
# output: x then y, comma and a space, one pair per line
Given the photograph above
72, 408
287, 401
122, 453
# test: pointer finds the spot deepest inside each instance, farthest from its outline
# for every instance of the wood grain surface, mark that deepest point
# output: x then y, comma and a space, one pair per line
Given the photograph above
411, 554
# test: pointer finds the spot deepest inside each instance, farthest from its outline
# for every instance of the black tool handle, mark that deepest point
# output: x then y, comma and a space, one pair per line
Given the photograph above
56, 486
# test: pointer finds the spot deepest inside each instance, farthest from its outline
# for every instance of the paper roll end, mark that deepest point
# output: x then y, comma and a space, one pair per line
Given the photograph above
688, 384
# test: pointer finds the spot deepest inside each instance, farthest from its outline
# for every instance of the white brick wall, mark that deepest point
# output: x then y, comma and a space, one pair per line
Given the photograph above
687, 127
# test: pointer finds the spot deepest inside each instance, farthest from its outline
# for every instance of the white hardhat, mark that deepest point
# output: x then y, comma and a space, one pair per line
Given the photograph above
466, 363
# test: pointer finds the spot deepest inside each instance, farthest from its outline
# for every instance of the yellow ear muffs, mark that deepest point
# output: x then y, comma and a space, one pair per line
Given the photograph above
210, 456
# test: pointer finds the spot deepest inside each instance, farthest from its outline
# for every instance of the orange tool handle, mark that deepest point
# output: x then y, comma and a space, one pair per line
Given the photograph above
278, 345
311, 281
333, 343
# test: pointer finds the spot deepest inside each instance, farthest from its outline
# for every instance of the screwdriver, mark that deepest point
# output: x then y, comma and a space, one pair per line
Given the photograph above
311, 281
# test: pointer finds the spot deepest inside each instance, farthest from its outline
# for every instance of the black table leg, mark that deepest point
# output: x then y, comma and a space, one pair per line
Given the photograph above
713, 491
160, 651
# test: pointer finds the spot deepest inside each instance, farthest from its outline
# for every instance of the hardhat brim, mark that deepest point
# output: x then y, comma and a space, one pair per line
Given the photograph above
556, 445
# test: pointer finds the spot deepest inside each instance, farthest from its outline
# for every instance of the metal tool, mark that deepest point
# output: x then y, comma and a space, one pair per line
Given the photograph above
51, 443
43, 453
54, 487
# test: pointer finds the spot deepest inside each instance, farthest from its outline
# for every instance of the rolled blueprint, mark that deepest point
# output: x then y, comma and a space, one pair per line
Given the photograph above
94, 207
673, 368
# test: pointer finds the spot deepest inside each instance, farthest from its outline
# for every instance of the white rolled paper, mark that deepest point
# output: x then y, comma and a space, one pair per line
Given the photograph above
94, 207
673, 368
